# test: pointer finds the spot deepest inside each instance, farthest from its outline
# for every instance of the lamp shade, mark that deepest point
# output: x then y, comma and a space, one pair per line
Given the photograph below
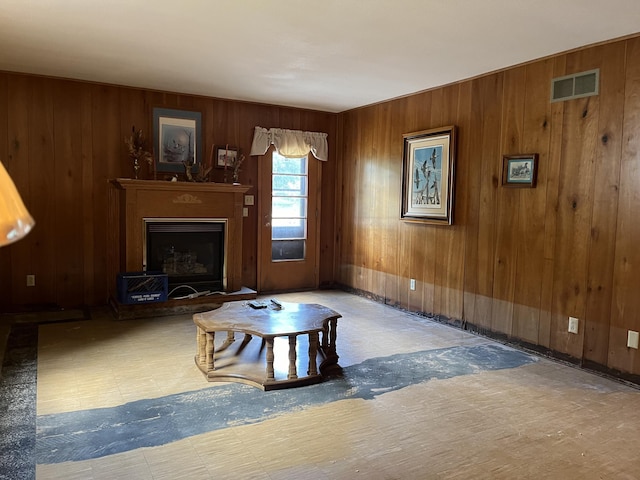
15, 220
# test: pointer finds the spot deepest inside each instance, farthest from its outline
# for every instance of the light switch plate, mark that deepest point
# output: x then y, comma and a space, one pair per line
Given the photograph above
632, 339
249, 200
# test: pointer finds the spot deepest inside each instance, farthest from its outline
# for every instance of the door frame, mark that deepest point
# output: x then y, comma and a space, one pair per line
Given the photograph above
264, 214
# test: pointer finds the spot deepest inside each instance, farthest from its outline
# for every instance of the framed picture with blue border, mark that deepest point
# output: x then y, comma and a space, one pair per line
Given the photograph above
520, 170
177, 139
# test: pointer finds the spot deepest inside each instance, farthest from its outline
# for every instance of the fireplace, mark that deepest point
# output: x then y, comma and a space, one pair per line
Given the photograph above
206, 263
190, 251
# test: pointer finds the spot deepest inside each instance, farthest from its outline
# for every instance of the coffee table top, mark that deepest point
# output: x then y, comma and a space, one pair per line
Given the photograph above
290, 319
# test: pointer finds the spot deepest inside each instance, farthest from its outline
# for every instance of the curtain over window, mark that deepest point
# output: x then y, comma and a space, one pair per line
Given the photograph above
290, 143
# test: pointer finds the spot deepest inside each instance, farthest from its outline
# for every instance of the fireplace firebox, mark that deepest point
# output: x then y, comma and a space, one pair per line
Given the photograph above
190, 251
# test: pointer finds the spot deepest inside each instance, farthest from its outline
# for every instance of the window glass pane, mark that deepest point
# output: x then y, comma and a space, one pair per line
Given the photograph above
289, 165
286, 207
288, 228
287, 250
289, 185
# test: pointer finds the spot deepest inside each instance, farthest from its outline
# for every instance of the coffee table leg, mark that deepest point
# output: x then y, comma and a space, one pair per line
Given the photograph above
333, 333
210, 350
293, 374
313, 352
231, 337
270, 374
201, 342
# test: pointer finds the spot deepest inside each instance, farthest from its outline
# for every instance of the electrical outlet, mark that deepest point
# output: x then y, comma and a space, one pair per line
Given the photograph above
412, 284
31, 280
632, 339
245, 212
573, 324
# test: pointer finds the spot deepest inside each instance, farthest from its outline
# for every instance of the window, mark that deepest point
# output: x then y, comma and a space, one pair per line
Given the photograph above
289, 195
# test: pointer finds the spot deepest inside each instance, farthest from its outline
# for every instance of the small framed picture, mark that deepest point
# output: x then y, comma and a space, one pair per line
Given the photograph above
226, 157
520, 170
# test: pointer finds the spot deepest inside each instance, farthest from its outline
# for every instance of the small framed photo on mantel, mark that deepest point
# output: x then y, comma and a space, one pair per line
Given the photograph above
226, 156
520, 170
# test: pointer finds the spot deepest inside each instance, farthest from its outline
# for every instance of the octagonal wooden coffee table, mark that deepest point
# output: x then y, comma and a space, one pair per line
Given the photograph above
278, 326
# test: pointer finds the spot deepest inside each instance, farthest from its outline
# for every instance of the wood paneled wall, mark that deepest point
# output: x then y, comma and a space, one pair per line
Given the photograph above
517, 262
61, 142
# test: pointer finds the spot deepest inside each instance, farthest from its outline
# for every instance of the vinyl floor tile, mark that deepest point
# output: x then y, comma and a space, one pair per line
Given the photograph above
445, 406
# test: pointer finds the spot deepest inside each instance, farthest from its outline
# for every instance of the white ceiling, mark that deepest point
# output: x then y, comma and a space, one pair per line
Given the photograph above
330, 55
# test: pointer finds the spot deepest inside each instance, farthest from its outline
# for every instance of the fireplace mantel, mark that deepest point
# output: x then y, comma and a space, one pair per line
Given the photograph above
131, 201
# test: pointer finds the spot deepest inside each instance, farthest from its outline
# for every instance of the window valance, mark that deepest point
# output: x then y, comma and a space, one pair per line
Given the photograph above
290, 143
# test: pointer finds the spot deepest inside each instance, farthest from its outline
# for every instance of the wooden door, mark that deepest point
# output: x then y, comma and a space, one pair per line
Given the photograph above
288, 209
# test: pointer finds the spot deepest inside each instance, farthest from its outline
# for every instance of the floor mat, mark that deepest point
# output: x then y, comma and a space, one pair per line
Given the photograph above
18, 403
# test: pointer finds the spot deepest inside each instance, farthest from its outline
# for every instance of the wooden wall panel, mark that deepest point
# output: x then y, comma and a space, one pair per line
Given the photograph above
488, 101
518, 261
369, 184
87, 211
532, 208
385, 222
345, 199
575, 204
625, 311
17, 164
107, 162
471, 169
508, 204
350, 229
611, 59
63, 141
68, 241
550, 227
42, 151
456, 270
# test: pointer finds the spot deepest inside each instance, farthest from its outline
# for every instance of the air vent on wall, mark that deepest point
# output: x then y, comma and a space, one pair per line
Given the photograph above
577, 85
